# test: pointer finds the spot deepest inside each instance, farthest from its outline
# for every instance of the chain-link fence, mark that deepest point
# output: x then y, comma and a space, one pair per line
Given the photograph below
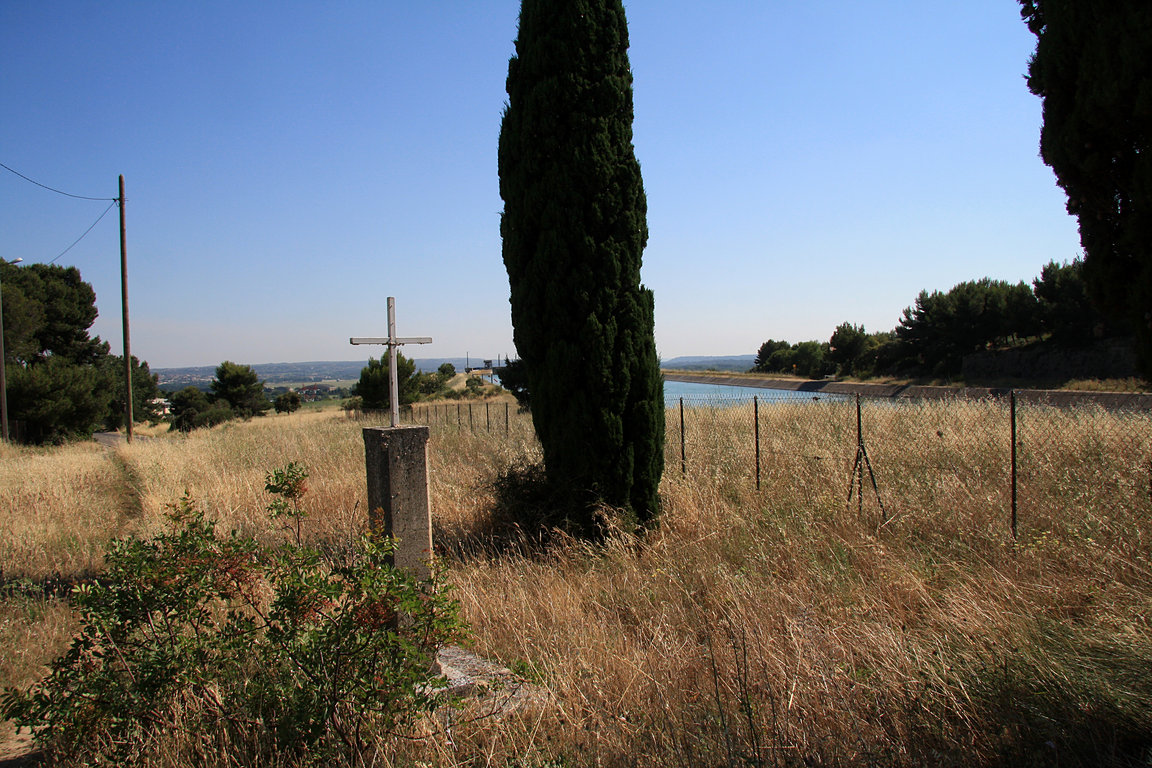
970, 463
995, 460
1086, 459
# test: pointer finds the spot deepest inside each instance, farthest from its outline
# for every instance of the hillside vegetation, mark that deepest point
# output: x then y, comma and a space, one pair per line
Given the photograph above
758, 628
1045, 334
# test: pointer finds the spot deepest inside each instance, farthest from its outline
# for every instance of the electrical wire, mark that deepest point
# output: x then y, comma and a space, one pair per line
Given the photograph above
85, 231
57, 191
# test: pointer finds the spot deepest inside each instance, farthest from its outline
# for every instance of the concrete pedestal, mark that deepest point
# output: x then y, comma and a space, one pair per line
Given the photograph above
397, 462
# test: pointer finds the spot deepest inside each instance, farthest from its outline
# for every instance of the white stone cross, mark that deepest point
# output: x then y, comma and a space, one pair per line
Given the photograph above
391, 341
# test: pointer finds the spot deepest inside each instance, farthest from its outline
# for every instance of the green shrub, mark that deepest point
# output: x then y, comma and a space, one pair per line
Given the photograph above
287, 402
194, 409
276, 646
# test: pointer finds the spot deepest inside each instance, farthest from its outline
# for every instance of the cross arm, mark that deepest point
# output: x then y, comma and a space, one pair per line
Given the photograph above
388, 341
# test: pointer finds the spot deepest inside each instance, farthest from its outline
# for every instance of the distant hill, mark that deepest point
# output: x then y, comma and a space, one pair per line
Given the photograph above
278, 374
274, 374
715, 363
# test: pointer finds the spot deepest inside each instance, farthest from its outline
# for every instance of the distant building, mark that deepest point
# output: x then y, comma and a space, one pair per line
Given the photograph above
310, 393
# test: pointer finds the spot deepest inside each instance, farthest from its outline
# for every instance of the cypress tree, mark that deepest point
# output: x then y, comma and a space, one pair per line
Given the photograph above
574, 229
1093, 70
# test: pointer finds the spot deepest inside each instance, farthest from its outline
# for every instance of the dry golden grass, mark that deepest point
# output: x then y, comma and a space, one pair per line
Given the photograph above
33, 630
59, 508
771, 627
1133, 384
224, 468
782, 627
159, 429
743, 633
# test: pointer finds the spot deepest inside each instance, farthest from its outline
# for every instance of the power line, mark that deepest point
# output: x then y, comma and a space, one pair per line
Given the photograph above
114, 201
57, 191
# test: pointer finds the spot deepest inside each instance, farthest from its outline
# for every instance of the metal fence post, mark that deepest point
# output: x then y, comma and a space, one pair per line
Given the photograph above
859, 464
683, 458
1012, 419
507, 424
487, 416
756, 417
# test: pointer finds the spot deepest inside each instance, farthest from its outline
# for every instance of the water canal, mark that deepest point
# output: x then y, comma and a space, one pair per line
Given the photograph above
708, 394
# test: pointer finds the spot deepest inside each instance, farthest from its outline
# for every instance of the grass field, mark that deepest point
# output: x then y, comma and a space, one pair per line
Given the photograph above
771, 627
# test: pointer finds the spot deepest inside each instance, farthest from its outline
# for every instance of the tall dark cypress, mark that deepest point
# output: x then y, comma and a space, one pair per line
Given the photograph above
574, 229
1093, 70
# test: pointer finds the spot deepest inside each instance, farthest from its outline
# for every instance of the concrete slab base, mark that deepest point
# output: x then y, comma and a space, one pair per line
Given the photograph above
497, 689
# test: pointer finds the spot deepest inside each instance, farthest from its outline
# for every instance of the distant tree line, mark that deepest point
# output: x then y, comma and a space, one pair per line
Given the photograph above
940, 329
372, 391
1092, 69
236, 392
62, 383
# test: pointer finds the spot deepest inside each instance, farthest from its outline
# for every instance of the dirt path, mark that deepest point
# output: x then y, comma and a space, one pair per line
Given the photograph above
130, 503
113, 439
17, 750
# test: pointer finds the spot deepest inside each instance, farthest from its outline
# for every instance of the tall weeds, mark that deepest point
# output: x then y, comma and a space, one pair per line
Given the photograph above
772, 627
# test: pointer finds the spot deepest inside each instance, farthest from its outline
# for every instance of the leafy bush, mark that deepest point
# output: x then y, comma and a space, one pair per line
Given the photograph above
431, 384
287, 402
277, 646
193, 409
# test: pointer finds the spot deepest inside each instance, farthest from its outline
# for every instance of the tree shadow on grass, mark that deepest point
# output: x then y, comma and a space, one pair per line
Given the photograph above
27, 759
529, 517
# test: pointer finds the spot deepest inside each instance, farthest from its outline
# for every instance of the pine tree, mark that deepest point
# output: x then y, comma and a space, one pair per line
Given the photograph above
375, 385
62, 383
574, 230
1093, 70
240, 387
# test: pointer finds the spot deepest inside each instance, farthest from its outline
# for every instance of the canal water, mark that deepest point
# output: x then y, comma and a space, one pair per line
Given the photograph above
725, 393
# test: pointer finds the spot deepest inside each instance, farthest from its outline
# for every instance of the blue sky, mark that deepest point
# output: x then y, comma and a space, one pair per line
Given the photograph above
288, 166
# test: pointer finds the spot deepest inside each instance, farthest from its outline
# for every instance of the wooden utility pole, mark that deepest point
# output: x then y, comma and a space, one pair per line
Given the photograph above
127, 345
3, 380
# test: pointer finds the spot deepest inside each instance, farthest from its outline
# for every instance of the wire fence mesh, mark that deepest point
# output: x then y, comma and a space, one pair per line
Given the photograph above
982, 464
498, 417
992, 460
1088, 460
